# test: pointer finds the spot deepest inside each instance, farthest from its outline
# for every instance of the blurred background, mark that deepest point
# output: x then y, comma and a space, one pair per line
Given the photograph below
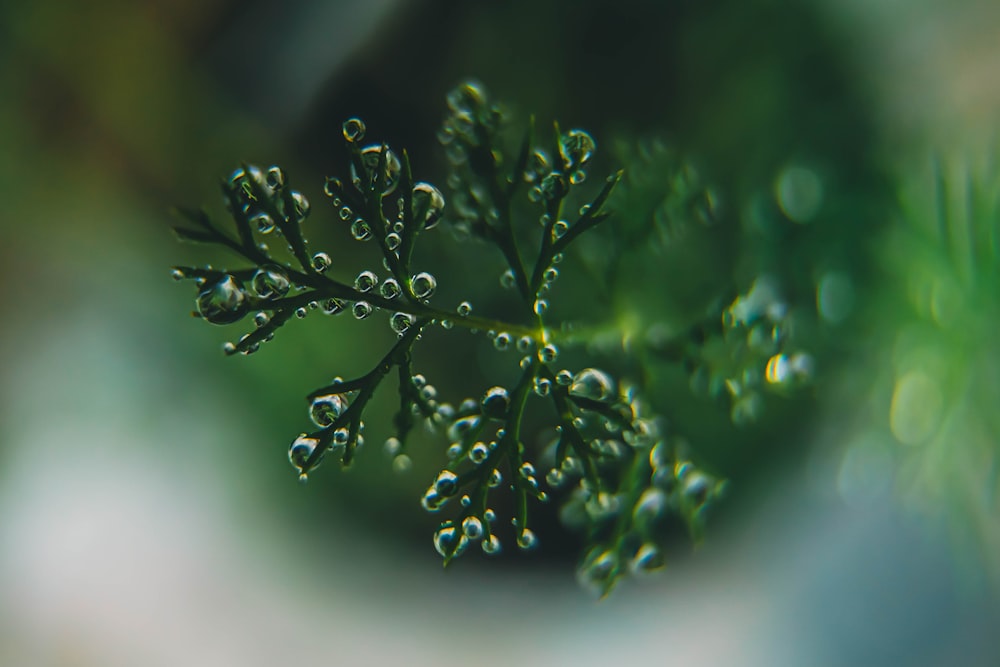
148, 514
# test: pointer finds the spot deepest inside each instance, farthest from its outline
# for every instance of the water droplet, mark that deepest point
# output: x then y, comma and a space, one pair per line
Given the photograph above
578, 176
593, 384
449, 542
648, 559
548, 353
541, 305
275, 177
464, 309
346, 213
401, 322
262, 222
270, 282
302, 206
428, 204
650, 506
446, 484
228, 348
467, 97
553, 187
491, 545
365, 281
300, 450
502, 341
479, 452
224, 302
392, 240
390, 289
423, 285
360, 230
495, 479
369, 160
550, 274
598, 571
526, 539
321, 262
576, 147
354, 130
507, 280
495, 402
461, 427
324, 410
542, 386
333, 306
472, 527
361, 310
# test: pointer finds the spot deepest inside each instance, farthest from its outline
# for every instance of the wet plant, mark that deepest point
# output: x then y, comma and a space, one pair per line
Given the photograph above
611, 461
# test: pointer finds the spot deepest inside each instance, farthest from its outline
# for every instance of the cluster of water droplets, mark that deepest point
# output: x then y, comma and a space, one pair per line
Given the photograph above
758, 330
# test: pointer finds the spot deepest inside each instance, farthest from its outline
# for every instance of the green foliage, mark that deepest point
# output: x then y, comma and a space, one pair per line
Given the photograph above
608, 458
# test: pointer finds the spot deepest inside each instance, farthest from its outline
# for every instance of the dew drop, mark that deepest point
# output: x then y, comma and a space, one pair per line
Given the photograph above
369, 160
576, 147
598, 570
321, 262
446, 484
270, 282
464, 309
301, 204
526, 540
360, 230
324, 410
495, 402
423, 285
507, 280
553, 187
390, 289
428, 204
449, 542
300, 451
224, 302
491, 545
650, 506
354, 130
502, 341
472, 527
365, 281
333, 306
461, 427
401, 322
548, 353
361, 310
648, 559
479, 452
262, 222
593, 384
